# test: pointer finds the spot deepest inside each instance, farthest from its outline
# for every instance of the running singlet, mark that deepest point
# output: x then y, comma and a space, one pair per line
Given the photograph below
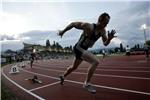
86, 42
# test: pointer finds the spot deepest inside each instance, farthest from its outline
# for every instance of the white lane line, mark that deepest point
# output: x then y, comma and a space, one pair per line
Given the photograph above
130, 77
45, 86
105, 69
39, 74
124, 70
27, 91
100, 86
124, 90
99, 66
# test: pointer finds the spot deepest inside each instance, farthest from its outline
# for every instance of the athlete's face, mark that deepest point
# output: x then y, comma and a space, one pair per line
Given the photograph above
103, 21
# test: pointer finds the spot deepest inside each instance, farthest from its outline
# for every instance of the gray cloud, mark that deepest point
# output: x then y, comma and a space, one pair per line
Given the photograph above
37, 36
13, 45
127, 23
6, 37
40, 37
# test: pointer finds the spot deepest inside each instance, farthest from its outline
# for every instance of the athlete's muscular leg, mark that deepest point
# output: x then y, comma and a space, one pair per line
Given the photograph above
75, 65
31, 63
89, 57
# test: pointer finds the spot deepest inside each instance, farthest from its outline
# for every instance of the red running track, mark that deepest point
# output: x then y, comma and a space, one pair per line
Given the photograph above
116, 78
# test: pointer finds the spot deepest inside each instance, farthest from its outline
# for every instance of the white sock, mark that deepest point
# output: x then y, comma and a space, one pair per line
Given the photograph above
87, 83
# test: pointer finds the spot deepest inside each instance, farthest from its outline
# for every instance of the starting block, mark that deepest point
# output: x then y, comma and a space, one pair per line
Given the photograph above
22, 64
14, 69
34, 80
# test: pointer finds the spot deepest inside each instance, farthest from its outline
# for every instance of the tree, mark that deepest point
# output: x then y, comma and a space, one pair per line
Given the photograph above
116, 49
135, 46
47, 43
138, 46
71, 47
121, 47
148, 42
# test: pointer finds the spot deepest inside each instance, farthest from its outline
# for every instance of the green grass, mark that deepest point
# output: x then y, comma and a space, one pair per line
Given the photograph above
5, 92
6, 63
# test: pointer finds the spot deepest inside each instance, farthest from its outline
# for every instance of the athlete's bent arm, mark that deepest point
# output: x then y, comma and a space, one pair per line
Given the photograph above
77, 25
106, 40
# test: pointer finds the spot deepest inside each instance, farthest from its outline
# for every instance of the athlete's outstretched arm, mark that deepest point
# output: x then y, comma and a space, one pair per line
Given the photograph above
106, 40
77, 25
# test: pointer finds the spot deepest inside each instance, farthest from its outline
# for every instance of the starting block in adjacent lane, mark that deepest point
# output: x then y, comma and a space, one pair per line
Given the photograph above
14, 69
21, 64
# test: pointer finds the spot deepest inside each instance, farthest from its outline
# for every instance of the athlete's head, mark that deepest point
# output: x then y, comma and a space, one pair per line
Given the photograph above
103, 20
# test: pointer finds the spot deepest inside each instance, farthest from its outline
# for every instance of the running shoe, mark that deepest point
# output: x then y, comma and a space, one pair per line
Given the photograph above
89, 87
61, 80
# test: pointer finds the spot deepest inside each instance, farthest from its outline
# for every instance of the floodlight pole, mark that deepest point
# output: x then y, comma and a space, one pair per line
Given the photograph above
145, 46
144, 29
144, 34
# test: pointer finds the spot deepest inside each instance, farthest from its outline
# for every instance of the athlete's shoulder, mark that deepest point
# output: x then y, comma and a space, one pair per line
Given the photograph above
86, 24
89, 25
81, 24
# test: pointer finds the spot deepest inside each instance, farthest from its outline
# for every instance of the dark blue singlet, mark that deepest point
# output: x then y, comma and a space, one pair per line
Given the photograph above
84, 39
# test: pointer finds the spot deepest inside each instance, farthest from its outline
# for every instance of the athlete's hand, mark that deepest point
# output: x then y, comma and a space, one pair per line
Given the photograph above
60, 33
111, 34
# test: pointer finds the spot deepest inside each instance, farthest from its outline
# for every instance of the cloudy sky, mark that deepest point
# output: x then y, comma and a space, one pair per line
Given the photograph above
35, 21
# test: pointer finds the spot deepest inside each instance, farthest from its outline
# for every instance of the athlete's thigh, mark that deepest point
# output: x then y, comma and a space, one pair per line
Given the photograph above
77, 62
89, 57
